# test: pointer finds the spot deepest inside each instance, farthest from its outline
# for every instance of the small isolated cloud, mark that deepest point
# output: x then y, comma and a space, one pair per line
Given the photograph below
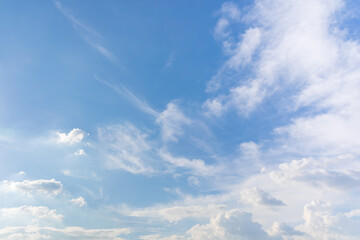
74, 136
80, 152
21, 173
66, 172
171, 120
80, 201
258, 197
170, 60
40, 186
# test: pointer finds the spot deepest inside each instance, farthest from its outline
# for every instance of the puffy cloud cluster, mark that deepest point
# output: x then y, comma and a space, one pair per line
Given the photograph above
233, 225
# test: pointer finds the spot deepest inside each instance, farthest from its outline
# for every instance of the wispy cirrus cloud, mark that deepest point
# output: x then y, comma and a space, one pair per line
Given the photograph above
92, 37
125, 147
126, 93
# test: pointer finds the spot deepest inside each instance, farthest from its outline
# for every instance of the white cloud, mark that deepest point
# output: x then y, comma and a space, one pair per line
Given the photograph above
321, 223
93, 38
21, 173
192, 180
286, 34
40, 186
125, 147
138, 102
250, 150
160, 237
80, 152
232, 225
36, 232
171, 59
74, 136
259, 197
171, 121
79, 201
229, 12
177, 213
323, 172
353, 213
330, 133
197, 166
281, 229
244, 50
221, 28
30, 213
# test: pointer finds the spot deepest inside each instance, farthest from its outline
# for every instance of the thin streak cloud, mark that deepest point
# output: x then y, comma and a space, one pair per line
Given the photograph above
126, 93
92, 37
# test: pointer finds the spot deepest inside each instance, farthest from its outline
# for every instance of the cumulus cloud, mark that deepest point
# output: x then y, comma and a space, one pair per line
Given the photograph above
40, 186
233, 225
282, 229
320, 222
74, 136
80, 201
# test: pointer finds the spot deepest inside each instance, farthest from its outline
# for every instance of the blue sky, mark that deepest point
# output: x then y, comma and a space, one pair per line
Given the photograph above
179, 120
